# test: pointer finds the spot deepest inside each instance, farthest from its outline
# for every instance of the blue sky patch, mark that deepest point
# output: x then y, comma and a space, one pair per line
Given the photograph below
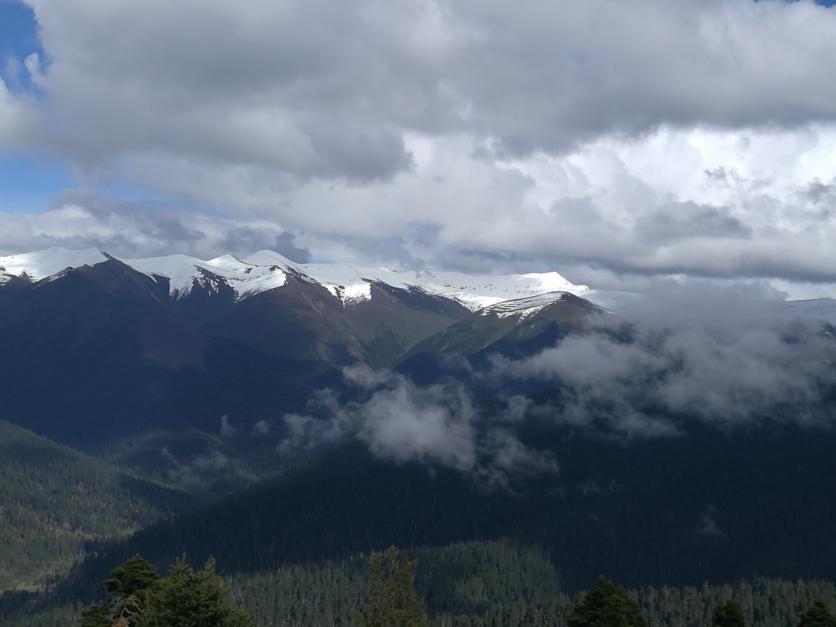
29, 184
18, 30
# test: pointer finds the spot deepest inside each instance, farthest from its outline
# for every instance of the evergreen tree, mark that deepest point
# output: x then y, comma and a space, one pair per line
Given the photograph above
127, 589
135, 577
96, 616
817, 616
189, 598
606, 605
130, 613
138, 597
391, 599
728, 614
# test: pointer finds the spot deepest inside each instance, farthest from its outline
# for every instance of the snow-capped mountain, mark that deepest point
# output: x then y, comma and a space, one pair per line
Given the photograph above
102, 345
512, 327
267, 270
45, 263
95, 344
522, 308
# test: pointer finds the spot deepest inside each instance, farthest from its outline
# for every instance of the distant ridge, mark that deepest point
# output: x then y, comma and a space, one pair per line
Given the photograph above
266, 270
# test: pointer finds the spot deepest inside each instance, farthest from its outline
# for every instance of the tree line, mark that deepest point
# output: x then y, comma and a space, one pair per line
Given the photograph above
137, 596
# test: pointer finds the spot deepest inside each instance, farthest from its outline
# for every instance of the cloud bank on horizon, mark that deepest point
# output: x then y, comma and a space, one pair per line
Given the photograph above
697, 358
603, 139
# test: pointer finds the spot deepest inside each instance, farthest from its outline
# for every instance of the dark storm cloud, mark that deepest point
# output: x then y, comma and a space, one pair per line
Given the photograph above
688, 220
286, 245
318, 89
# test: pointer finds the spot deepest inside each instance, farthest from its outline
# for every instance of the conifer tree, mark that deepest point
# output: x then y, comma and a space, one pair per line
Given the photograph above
728, 614
606, 605
126, 588
96, 616
135, 577
189, 598
817, 616
391, 599
138, 597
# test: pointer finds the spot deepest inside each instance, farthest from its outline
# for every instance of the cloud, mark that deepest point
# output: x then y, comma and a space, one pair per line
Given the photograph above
82, 219
689, 352
684, 355
688, 220
283, 87
436, 425
227, 430
286, 245
633, 208
198, 472
262, 427
670, 137
708, 526
15, 119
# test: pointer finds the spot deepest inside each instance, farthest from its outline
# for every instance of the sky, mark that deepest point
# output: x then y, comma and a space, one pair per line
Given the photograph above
618, 143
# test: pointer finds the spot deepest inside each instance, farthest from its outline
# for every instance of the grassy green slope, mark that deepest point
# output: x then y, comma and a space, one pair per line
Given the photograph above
54, 499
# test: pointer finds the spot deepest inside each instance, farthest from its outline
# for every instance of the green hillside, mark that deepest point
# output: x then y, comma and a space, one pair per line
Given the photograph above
54, 500
472, 584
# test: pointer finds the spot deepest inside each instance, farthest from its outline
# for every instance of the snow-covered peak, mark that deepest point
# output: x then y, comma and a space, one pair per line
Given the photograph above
269, 258
230, 262
184, 272
266, 270
472, 291
523, 307
43, 263
344, 281
478, 291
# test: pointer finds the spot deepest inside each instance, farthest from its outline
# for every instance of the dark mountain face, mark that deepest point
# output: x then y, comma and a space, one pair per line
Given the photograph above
514, 333
511, 333
103, 351
705, 507
56, 499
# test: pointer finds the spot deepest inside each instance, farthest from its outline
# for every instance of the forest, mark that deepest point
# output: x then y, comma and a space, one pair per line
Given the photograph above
497, 584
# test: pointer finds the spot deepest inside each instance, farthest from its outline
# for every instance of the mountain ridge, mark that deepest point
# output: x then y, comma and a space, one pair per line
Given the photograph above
265, 270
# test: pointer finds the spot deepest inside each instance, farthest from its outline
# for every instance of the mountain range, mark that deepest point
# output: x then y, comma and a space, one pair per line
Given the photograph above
98, 347
148, 405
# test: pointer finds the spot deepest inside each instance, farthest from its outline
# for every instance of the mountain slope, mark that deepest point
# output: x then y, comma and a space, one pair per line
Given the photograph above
104, 351
648, 513
514, 328
54, 500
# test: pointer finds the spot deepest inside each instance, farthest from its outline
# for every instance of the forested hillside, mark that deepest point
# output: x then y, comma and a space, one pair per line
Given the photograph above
55, 501
500, 584
657, 512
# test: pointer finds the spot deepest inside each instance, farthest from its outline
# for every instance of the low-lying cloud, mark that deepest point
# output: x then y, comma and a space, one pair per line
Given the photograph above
682, 356
438, 425
196, 472
690, 352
